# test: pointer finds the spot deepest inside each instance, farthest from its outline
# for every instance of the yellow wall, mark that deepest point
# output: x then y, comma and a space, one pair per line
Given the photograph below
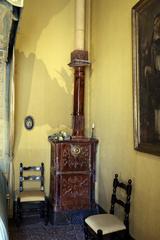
44, 81
44, 87
112, 111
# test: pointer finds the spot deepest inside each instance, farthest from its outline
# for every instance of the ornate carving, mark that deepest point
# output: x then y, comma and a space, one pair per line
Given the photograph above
75, 157
75, 186
72, 184
75, 150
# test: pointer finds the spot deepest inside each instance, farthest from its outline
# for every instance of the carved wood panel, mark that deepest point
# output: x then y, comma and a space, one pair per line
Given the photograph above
75, 157
72, 184
74, 191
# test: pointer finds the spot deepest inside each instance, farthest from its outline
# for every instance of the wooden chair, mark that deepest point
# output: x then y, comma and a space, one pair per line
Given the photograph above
32, 195
109, 226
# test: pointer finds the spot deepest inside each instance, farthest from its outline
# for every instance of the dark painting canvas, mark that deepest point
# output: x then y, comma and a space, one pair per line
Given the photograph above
146, 75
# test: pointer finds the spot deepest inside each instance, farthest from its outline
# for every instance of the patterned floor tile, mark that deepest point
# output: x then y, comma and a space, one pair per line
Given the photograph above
36, 230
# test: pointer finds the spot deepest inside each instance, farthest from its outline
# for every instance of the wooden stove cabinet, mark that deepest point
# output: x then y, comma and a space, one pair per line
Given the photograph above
72, 174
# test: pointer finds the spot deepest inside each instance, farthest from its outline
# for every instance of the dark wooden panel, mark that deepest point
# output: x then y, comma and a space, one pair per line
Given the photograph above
75, 157
72, 183
75, 191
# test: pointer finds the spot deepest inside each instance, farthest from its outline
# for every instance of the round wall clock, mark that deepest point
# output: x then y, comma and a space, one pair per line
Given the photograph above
29, 122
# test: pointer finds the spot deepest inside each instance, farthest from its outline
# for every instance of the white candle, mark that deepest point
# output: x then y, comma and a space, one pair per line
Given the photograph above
80, 22
92, 133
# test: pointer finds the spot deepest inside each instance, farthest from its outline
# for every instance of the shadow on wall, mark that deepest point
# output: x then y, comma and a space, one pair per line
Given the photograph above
36, 15
48, 99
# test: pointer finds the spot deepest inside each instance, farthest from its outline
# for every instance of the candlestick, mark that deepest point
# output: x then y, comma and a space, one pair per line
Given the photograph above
92, 134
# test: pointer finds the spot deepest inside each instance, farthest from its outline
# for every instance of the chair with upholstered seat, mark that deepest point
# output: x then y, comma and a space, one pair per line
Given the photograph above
109, 226
35, 195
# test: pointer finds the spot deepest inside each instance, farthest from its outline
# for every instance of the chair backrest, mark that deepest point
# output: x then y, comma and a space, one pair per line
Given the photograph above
125, 204
31, 177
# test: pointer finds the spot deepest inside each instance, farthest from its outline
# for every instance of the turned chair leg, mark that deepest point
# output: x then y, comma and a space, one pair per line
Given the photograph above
18, 214
99, 235
42, 209
86, 232
46, 211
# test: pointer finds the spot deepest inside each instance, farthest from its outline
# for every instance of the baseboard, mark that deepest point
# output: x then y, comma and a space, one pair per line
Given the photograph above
131, 238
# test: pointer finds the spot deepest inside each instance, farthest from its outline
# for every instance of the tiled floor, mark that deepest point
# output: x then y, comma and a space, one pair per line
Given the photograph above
32, 229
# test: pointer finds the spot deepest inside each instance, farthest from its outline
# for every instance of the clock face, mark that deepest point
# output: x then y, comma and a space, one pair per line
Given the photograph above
29, 122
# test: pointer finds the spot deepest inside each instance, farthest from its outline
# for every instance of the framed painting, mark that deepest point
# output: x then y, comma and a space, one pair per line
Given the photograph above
146, 75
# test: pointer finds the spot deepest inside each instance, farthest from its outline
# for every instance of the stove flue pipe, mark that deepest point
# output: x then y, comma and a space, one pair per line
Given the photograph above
79, 24
79, 60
